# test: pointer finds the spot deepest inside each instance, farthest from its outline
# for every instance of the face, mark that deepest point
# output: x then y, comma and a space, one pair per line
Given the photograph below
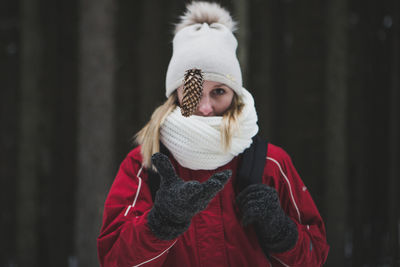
215, 100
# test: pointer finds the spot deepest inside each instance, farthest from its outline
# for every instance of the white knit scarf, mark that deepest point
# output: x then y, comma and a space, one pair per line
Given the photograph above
195, 141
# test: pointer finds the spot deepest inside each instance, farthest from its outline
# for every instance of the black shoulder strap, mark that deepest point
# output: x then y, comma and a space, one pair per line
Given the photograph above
250, 170
252, 165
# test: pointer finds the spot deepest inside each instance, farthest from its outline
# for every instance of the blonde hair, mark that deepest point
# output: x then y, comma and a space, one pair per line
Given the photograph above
149, 136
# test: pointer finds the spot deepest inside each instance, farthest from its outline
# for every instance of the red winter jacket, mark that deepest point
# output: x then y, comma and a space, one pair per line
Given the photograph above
215, 236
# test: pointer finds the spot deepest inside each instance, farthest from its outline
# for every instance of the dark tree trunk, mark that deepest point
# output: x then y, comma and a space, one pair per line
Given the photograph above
9, 122
241, 8
96, 123
394, 144
336, 161
29, 160
265, 72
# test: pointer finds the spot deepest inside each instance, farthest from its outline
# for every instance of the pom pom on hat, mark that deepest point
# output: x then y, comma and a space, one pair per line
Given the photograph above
204, 40
205, 12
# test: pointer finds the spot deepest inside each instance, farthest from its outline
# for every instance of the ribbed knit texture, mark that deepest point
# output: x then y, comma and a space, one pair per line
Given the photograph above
195, 142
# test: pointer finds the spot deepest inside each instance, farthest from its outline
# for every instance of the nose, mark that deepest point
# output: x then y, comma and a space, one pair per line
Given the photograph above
205, 106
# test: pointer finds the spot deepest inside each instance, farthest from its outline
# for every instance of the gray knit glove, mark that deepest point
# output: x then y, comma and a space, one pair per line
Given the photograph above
260, 205
176, 201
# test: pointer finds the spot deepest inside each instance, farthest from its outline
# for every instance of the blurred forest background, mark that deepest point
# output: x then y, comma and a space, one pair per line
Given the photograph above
79, 78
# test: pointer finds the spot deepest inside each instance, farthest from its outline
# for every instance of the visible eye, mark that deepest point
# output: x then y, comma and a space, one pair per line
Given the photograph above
219, 91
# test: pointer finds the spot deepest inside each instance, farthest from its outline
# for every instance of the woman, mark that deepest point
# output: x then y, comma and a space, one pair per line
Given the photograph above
198, 216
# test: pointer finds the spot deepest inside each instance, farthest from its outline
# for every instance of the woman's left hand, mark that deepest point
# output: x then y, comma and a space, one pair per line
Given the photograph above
260, 205
258, 202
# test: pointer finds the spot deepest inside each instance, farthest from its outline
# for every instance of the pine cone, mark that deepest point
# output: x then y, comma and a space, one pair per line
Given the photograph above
192, 91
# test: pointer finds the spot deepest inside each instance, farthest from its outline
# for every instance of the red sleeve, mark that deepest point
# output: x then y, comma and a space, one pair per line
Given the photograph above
311, 248
125, 238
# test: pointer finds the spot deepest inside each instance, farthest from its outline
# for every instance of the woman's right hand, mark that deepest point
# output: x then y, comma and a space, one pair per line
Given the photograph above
177, 201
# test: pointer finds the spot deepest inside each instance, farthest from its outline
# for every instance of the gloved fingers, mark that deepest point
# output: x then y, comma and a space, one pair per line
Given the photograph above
164, 168
253, 195
264, 199
222, 176
243, 194
255, 191
249, 204
215, 183
190, 189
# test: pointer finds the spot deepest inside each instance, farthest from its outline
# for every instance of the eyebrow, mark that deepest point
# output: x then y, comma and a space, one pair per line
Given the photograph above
219, 85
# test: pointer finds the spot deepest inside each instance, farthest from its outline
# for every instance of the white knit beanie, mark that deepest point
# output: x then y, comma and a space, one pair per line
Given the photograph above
204, 40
